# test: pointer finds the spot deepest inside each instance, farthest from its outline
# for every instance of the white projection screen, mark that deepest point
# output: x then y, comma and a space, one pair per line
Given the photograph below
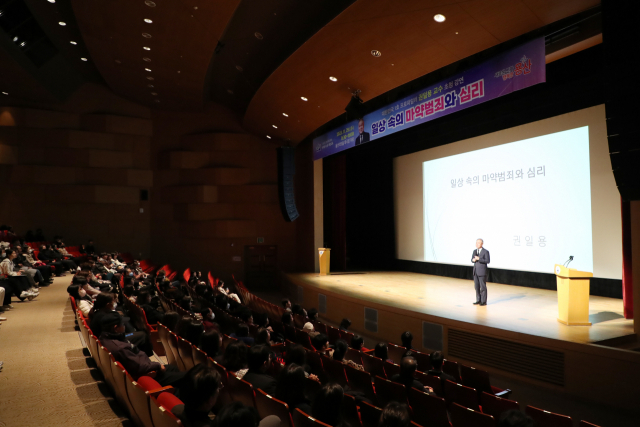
536, 194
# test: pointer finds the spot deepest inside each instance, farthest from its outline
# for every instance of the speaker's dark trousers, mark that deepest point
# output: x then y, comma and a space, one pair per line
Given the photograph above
481, 288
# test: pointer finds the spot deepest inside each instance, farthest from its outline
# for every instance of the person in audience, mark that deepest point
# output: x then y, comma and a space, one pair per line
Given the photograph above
290, 388
357, 343
321, 343
36, 279
296, 354
83, 301
51, 262
81, 280
246, 316
105, 304
407, 339
136, 362
264, 337
345, 324
181, 328
45, 270
199, 390
297, 309
221, 288
437, 359
238, 415
381, 351
186, 303
211, 342
395, 414
17, 282
313, 315
193, 331
144, 301
234, 357
242, 334
286, 303
515, 418
408, 367
327, 405
309, 329
170, 320
208, 318
339, 353
259, 362
90, 248
49, 254
287, 319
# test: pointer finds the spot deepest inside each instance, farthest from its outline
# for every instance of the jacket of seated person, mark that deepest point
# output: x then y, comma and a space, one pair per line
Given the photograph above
259, 358
136, 362
261, 381
408, 383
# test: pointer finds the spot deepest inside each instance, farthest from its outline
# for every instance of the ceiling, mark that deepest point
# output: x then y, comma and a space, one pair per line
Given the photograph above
257, 57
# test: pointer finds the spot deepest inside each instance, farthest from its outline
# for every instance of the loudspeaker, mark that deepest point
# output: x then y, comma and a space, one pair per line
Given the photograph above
621, 95
286, 171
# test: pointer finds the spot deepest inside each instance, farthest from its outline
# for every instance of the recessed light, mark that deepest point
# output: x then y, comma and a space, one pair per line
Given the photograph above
62, 23
15, 39
258, 35
51, 1
274, 126
267, 135
148, 69
285, 114
150, 3
148, 21
5, 93
239, 68
456, 32
439, 18
146, 35
178, 71
149, 85
146, 48
303, 98
118, 61
229, 91
376, 53
73, 43
154, 93
83, 59
157, 100
333, 79
149, 78
145, 59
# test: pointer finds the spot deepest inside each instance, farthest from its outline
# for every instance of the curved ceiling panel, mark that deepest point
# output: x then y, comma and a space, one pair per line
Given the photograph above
412, 44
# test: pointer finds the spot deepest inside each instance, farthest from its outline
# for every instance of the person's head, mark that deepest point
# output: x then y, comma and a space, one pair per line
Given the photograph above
186, 303
406, 338
290, 387
261, 320
263, 336
320, 342
43, 247
259, 358
296, 354
286, 303
345, 323
207, 314
312, 314
128, 290
171, 319
395, 415
340, 350
222, 302
18, 248
181, 327
199, 388
105, 301
246, 316
327, 404
193, 331
144, 297
237, 415
210, 343
79, 280
287, 318
235, 356
308, 327
515, 418
361, 127
437, 359
76, 291
242, 330
112, 323
11, 253
479, 243
296, 309
381, 351
357, 342
408, 367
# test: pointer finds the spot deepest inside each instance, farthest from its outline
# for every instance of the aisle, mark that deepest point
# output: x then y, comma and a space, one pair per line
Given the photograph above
47, 380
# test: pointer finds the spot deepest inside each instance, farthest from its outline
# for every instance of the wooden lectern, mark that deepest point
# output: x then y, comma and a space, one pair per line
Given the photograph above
324, 254
573, 296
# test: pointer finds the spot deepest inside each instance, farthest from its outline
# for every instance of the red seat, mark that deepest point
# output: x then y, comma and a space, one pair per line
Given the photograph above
388, 391
335, 370
268, 405
105, 366
168, 401
451, 368
463, 395
120, 380
300, 419
428, 410
479, 379
347, 336
354, 355
465, 417
494, 405
163, 334
373, 365
315, 363
160, 414
369, 414
350, 411
430, 381
311, 388
139, 393
303, 339
186, 354
391, 369
395, 352
187, 275
173, 343
320, 327
241, 391
548, 419
361, 381
225, 397
424, 362
333, 334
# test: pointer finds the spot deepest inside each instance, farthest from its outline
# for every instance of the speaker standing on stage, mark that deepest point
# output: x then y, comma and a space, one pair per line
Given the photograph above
480, 258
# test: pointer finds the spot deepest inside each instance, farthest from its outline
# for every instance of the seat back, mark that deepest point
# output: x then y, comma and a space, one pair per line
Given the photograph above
105, 366
395, 352
187, 275
465, 417
361, 381
388, 391
162, 416
320, 327
475, 378
335, 370
290, 332
268, 405
315, 363
391, 369
430, 381
198, 355
120, 381
463, 395
548, 419
494, 405
301, 419
333, 334
241, 391
163, 334
350, 411
353, 355
173, 343
139, 401
428, 410
93, 348
373, 365
369, 414
424, 363
311, 388
225, 397
186, 354
303, 339
450, 367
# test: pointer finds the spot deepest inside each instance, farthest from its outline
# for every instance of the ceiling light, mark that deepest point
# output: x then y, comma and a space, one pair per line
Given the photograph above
51, 1
154, 93
148, 21
23, 44
239, 68
333, 79
146, 35
303, 98
83, 59
145, 59
267, 135
146, 48
15, 39
118, 61
157, 100
73, 43
230, 91
150, 3
5, 93
456, 32
62, 23
439, 18
149, 78
148, 69
258, 35
376, 53
285, 114
149, 85
274, 126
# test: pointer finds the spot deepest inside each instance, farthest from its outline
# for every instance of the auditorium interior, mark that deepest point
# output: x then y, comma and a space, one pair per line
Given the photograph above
229, 212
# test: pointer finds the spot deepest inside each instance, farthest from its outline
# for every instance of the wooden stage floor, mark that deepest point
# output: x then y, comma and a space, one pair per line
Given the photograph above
512, 308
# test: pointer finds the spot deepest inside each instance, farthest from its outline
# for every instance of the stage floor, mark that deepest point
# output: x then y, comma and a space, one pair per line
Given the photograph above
512, 308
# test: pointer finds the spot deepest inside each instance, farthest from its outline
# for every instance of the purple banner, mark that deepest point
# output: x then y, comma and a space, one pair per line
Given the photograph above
517, 69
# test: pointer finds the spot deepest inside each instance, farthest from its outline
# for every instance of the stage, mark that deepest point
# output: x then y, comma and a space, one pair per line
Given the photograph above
510, 308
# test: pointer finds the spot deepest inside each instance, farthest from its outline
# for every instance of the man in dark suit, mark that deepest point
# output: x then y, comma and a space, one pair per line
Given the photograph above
408, 367
362, 135
437, 360
259, 363
480, 258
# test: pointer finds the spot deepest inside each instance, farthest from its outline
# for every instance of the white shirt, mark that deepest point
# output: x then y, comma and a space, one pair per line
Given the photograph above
479, 249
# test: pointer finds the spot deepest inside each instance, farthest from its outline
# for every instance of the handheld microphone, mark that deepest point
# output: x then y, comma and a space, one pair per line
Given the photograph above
567, 262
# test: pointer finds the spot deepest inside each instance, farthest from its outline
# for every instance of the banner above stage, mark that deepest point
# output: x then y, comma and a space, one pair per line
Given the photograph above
516, 69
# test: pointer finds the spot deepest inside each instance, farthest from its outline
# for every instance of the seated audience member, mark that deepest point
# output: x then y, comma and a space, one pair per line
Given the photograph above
186, 303
34, 275
340, 351
290, 388
193, 332
327, 405
296, 354
309, 329
264, 337
90, 248
51, 255
297, 309
407, 340
46, 270
408, 367
238, 415
234, 358
261, 320
313, 315
321, 343
515, 418
357, 343
437, 359
381, 351
286, 303
395, 415
211, 342
170, 320
344, 324
208, 318
199, 390
144, 301
259, 362
51, 262
246, 316
83, 301
181, 327
221, 288
17, 282
242, 334
136, 362
287, 319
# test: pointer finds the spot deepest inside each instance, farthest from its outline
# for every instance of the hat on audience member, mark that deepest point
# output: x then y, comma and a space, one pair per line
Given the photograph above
308, 327
110, 320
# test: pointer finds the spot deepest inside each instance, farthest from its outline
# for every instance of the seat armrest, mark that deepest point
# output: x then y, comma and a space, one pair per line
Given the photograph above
158, 391
501, 393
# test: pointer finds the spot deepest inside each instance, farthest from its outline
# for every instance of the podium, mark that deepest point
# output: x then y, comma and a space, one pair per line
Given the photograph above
324, 254
573, 296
